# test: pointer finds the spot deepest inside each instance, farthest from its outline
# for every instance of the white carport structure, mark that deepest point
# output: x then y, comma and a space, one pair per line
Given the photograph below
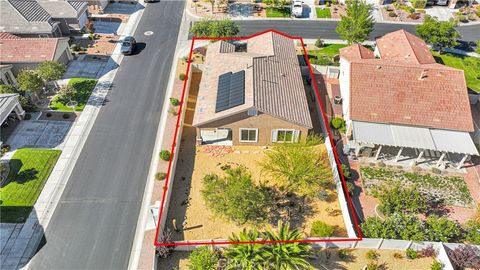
8, 104
420, 138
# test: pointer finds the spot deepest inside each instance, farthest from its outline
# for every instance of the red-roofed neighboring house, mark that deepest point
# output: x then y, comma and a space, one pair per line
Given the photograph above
21, 53
403, 99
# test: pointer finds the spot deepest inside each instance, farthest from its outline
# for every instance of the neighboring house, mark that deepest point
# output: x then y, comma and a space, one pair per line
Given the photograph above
6, 75
21, 53
252, 93
41, 18
400, 99
9, 105
70, 15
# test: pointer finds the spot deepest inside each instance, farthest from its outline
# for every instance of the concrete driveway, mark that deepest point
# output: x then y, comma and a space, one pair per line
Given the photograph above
39, 134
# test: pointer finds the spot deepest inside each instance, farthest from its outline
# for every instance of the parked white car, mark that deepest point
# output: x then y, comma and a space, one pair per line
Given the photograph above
297, 8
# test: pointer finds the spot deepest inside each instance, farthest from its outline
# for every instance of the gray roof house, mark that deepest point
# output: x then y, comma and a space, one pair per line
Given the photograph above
42, 18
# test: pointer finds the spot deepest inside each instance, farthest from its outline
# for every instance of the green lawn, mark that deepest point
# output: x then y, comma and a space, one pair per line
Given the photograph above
84, 88
470, 65
29, 169
278, 12
324, 55
323, 13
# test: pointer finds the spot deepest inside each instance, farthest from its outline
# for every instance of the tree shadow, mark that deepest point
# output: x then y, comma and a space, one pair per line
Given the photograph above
289, 207
17, 176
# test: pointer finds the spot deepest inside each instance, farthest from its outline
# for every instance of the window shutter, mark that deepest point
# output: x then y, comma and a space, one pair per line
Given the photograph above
274, 135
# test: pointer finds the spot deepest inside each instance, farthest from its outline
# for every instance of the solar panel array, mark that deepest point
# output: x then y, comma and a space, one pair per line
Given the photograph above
31, 10
231, 90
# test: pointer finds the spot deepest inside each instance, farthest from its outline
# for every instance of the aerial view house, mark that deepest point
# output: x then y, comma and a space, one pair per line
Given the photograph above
20, 53
252, 93
32, 18
399, 100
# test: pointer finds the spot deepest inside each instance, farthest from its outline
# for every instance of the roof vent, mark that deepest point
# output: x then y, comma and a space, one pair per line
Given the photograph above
424, 74
379, 67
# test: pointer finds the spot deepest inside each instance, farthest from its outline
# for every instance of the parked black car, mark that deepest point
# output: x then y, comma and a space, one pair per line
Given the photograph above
128, 45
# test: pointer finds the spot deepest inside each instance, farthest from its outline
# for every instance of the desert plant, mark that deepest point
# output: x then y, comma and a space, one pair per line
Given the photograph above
174, 101
165, 237
203, 258
372, 255
165, 155
465, 256
182, 76
321, 229
245, 256
398, 255
285, 256
323, 195
411, 254
436, 265
346, 171
235, 196
429, 251
160, 175
319, 43
372, 266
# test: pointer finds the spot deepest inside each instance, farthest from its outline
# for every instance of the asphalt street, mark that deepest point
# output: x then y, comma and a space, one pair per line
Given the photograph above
326, 29
94, 224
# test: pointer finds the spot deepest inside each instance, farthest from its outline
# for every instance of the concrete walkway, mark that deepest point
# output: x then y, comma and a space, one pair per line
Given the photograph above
22, 240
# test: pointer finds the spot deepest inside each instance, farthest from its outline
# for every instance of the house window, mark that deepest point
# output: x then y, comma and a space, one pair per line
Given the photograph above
248, 134
285, 135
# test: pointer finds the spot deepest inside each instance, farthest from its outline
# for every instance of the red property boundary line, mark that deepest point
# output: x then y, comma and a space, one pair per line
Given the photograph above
172, 151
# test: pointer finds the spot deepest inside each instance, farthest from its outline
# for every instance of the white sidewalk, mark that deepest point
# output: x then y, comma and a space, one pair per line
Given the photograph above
22, 240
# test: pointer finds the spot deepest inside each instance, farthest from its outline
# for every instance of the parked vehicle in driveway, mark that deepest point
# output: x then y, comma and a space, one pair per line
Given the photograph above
297, 8
128, 45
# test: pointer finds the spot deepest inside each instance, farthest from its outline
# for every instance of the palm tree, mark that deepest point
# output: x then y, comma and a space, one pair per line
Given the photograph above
245, 256
286, 255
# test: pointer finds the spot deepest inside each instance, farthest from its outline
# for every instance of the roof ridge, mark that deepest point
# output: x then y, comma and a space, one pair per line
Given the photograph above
411, 45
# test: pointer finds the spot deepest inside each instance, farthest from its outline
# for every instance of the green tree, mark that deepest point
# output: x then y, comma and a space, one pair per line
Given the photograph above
358, 22
51, 70
397, 198
441, 229
441, 34
236, 197
203, 258
245, 256
298, 168
26, 103
286, 255
7, 89
215, 28
29, 81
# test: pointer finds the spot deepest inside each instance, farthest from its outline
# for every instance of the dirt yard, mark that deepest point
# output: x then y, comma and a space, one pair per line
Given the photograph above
200, 223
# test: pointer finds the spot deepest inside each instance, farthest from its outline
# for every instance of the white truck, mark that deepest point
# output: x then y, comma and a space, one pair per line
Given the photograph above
297, 8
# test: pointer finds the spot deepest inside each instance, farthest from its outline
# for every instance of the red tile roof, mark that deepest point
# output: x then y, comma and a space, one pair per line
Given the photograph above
355, 52
404, 47
29, 50
406, 86
430, 96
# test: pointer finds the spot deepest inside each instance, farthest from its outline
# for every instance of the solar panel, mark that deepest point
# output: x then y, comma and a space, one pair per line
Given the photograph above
231, 90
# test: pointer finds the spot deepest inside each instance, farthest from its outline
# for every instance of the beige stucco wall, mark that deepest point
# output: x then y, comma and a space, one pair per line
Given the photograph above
264, 122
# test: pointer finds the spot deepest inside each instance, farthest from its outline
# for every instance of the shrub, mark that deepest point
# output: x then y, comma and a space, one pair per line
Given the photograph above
414, 16
465, 256
314, 140
160, 176
395, 226
462, 18
429, 251
372, 255
215, 28
400, 199
319, 43
441, 229
321, 229
350, 187
419, 3
346, 171
392, 14
472, 232
203, 258
436, 265
327, 4
343, 253
29, 81
165, 155
8, 89
411, 254
174, 101
339, 124
26, 103
398, 255
182, 76
323, 195
235, 196
372, 266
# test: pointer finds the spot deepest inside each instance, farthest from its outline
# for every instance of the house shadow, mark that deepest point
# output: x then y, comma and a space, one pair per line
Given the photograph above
173, 261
